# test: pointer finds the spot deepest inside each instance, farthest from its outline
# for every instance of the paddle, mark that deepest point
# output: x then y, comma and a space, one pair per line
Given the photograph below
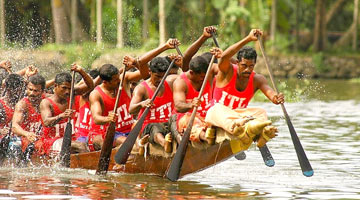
4, 144
123, 153
303, 160
173, 171
267, 157
66, 145
106, 148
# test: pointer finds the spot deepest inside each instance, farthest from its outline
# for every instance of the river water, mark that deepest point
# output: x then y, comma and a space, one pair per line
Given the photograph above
326, 119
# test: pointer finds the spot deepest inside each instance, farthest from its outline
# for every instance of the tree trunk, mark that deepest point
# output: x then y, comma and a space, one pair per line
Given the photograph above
319, 26
93, 20
61, 26
242, 22
120, 43
356, 14
334, 8
162, 21
297, 20
145, 27
98, 22
74, 24
2, 22
273, 23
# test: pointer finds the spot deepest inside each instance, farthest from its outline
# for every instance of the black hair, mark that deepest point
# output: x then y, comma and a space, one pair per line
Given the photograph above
14, 81
94, 73
169, 60
247, 53
199, 65
38, 80
207, 56
63, 77
107, 71
159, 64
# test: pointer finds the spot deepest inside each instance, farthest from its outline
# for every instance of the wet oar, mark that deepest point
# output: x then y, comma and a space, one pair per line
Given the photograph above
123, 153
267, 157
4, 144
303, 160
66, 145
174, 170
106, 148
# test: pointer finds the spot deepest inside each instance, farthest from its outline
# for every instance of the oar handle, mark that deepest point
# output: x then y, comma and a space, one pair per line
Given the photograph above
119, 90
178, 51
267, 65
215, 40
72, 90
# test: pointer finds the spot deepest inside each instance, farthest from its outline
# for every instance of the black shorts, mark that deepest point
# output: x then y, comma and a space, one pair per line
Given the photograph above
153, 128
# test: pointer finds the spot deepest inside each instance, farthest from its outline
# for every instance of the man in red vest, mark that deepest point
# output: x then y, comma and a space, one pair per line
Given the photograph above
235, 86
26, 122
156, 122
55, 111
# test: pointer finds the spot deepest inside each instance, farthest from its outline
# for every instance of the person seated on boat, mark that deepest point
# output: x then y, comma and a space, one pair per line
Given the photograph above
55, 111
13, 88
155, 128
186, 89
235, 86
26, 122
102, 99
102, 102
82, 109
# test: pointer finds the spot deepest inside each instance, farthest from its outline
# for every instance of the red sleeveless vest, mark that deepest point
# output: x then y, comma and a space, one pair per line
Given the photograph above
164, 105
33, 121
192, 93
231, 97
9, 112
83, 121
51, 134
125, 120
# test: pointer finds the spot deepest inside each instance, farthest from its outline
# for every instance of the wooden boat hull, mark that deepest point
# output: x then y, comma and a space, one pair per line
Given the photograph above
195, 160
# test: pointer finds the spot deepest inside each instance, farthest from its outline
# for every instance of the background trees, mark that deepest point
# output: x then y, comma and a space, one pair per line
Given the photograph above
307, 25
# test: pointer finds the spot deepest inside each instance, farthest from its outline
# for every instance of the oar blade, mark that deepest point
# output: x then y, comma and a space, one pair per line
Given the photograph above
124, 151
267, 157
240, 156
4, 144
106, 148
303, 160
66, 145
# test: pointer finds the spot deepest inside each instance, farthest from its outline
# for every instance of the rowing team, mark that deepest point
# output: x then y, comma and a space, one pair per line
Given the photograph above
39, 119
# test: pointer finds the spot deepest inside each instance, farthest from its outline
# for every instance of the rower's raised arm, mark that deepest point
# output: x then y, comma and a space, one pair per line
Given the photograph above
268, 91
191, 51
224, 63
89, 83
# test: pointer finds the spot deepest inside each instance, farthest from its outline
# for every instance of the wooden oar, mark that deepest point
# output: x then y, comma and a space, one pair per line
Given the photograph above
106, 148
4, 145
303, 160
267, 157
66, 145
123, 153
174, 170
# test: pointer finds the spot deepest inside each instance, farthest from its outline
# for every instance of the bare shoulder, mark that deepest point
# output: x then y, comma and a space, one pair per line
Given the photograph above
171, 78
259, 80
21, 105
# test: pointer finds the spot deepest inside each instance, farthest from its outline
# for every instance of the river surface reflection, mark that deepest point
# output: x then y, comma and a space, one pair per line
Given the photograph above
329, 132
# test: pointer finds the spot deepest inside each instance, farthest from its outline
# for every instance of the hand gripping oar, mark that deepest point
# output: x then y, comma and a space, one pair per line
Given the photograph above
303, 160
66, 145
106, 148
173, 171
123, 153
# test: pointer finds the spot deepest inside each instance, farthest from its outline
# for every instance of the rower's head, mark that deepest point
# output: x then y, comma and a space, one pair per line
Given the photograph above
110, 76
198, 68
246, 60
158, 67
14, 87
207, 56
62, 86
175, 68
35, 88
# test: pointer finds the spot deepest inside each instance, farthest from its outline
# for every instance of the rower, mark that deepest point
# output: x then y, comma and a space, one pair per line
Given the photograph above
26, 122
235, 86
55, 111
155, 128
